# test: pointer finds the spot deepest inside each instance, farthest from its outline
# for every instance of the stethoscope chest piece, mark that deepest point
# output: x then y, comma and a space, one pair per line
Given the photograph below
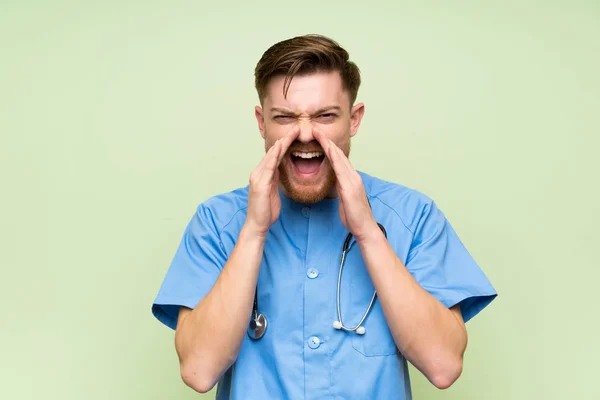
257, 326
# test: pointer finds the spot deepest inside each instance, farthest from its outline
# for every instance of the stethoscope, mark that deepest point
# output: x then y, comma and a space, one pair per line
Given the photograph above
258, 323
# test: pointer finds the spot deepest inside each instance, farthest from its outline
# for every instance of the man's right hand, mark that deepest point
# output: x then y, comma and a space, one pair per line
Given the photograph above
264, 204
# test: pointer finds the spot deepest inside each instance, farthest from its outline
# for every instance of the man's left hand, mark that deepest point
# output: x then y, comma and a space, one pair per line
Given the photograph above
355, 211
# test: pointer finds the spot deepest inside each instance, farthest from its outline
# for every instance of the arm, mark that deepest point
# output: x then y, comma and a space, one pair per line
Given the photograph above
432, 337
208, 338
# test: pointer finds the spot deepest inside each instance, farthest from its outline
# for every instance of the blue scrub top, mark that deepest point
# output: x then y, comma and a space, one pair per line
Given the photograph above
301, 355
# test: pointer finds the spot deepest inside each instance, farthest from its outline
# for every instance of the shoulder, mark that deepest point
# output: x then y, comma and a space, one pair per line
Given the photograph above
409, 204
224, 209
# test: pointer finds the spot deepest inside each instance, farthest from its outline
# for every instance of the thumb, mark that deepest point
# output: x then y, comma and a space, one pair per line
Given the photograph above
275, 182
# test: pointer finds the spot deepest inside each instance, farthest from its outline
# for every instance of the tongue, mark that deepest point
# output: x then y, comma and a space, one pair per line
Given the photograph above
307, 165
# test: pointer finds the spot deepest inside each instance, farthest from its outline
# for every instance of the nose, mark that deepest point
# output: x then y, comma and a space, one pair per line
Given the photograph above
306, 131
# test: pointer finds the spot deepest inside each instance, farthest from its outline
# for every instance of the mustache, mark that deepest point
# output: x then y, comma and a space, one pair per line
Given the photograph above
307, 147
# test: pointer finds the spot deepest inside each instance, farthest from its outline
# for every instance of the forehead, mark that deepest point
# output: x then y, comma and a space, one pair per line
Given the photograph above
307, 92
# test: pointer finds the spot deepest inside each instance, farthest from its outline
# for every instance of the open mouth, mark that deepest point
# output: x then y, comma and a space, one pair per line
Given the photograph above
307, 162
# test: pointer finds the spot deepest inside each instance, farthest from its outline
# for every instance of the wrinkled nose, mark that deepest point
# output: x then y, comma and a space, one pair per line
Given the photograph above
306, 131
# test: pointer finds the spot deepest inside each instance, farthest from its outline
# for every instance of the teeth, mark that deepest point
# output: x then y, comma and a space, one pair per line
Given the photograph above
307, 155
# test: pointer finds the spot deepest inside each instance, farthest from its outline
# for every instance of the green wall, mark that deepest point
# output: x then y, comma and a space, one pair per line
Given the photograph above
110, 112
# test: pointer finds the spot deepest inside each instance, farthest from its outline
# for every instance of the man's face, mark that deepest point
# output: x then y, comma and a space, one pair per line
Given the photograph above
314, 102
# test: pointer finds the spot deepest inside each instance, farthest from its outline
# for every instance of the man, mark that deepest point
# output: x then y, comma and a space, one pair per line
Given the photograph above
280, 239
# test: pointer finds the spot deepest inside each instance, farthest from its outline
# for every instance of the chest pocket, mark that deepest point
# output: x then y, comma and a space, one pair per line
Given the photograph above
377, 339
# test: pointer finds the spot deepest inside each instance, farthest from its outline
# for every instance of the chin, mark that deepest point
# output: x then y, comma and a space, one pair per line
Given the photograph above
306, 195
307, 190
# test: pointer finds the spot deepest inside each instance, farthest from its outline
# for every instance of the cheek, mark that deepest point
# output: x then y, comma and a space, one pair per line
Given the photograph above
338, 133
273, 133
270, 139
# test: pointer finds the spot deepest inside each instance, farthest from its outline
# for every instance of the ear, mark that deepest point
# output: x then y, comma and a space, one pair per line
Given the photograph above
356, 115
258, 113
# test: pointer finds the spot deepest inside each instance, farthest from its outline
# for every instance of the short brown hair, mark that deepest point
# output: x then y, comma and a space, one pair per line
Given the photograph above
304, 55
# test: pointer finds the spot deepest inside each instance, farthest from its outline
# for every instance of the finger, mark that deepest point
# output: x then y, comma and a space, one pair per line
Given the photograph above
264, 171
287, 141
336, 158
328, 146
275, 180
322, 139
265, 158
354, 183
271, 159
343, 159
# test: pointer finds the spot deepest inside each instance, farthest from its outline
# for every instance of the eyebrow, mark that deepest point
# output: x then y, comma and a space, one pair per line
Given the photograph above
319, 111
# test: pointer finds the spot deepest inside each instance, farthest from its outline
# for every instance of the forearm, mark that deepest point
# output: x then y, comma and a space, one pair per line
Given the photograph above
209, 337
427, 333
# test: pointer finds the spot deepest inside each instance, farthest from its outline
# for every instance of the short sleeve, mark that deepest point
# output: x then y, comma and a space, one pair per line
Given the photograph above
442, 265
194, 269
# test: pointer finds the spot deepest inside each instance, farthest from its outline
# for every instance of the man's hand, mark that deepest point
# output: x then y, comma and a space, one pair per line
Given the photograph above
355, 211
430, 336
264, 204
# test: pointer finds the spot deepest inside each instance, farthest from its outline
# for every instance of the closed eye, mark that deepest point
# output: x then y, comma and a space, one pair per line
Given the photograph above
282, 119
327, 117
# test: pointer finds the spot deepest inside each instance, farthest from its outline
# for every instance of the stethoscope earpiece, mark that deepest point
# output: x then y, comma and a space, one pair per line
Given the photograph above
360, 329
339, 324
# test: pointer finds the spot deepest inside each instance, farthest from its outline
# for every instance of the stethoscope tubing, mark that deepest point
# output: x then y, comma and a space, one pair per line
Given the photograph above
339, 282
258, 323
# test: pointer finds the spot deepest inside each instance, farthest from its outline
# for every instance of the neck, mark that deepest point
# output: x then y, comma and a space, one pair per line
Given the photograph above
331, 194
